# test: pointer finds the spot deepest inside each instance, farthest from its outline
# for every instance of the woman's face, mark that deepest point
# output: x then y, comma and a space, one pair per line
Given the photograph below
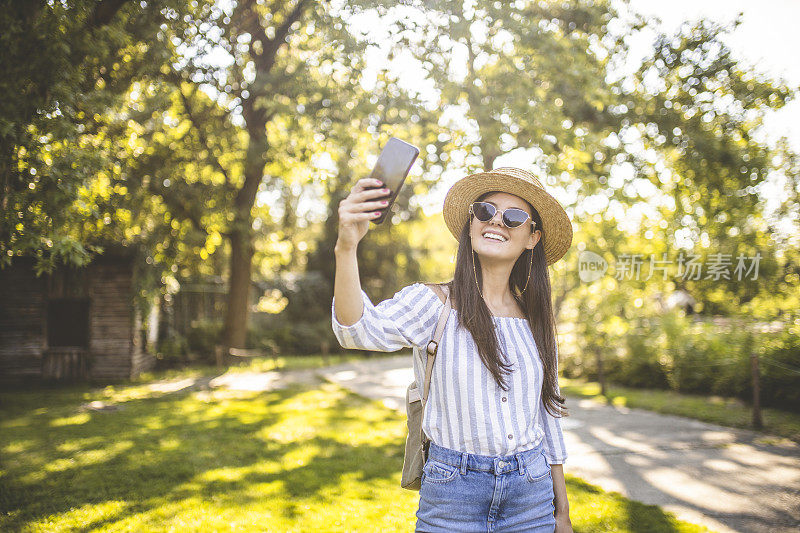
517, 239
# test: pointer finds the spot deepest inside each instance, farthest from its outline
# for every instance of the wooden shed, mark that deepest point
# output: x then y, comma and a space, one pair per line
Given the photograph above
73, 324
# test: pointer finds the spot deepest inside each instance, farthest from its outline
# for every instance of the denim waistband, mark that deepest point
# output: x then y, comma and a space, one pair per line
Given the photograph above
484, 463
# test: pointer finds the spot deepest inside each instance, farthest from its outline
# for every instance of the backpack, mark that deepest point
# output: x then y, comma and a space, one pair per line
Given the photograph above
417, 443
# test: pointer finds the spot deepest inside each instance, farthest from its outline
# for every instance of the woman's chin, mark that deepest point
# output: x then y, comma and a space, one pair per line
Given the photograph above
494, 253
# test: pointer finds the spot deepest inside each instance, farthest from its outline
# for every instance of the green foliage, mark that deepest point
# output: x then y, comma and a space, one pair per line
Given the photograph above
278, 334
708, 170
66, 65
202, 338
687, 356
171, 352
503, 64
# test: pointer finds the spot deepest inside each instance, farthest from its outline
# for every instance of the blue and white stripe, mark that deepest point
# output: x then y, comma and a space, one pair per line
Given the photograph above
466, 411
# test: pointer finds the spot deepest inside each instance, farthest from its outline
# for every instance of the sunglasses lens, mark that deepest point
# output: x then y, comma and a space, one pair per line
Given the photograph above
514, 217
483, 211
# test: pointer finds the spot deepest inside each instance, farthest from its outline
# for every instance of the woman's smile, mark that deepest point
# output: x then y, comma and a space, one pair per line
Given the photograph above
494, 237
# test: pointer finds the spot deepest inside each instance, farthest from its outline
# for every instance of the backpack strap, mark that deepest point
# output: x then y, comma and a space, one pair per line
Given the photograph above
432, 348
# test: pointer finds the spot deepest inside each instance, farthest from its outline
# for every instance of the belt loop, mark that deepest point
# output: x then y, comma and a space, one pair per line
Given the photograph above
464, 457
520, 464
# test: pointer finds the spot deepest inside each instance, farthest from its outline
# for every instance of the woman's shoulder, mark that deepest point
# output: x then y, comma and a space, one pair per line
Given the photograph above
440, 289
429, 293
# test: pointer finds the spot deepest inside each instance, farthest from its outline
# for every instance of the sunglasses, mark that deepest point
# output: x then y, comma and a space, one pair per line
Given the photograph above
512, 217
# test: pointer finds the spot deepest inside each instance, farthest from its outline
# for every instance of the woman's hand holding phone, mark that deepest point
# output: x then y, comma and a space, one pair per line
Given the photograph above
355, 211
368, 201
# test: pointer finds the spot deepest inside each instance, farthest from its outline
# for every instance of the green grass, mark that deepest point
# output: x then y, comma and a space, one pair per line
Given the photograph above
730, 412
261, 364
305, 458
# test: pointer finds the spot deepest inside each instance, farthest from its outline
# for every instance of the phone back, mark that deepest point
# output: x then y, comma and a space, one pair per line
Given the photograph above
392, 167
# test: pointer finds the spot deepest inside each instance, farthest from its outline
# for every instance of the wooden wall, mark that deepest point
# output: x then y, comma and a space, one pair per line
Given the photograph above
114, 350
72, 361
22, 324
111, 321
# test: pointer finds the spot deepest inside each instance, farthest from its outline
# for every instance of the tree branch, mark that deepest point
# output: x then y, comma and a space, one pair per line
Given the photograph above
203, 138
179, 207
271, 46
103, 12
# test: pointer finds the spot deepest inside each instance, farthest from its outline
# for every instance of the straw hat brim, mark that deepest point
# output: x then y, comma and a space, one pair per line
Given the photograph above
555, 221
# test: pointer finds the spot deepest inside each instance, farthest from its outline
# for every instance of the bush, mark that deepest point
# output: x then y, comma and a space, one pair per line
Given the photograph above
202, 338
641, 368
780, 370
692, 367
171, 352
291, 337
267, 333
731, 375
701, 358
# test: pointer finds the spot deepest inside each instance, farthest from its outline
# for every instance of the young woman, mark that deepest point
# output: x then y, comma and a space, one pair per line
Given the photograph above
494, 406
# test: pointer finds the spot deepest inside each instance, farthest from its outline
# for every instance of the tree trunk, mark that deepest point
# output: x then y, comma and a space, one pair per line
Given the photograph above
241, 237
256, 118
241, 260
601, 376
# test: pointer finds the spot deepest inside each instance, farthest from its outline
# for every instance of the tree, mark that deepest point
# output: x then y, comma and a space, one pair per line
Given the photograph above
696, 111
285, 69
63, 65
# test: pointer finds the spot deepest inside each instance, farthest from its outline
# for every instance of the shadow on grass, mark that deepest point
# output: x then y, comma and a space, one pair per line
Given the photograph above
162, 450
186, 453
629, 516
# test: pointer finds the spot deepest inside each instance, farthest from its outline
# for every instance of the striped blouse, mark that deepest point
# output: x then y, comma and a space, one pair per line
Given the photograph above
467, 411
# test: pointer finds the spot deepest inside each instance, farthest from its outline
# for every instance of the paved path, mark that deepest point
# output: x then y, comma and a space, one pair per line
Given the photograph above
726, 479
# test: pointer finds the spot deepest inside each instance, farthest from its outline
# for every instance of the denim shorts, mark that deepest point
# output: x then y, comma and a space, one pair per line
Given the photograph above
467, 492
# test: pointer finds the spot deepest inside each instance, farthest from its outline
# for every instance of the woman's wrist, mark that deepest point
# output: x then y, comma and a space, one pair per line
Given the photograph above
341, 248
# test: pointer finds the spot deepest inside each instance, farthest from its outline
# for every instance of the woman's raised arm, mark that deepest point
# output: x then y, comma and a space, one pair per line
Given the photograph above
355, 212
405, 320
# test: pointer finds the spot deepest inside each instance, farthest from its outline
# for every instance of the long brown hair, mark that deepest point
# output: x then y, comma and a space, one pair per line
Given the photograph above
536, 304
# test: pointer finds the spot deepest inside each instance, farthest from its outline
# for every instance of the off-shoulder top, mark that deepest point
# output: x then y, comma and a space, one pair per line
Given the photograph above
466, 411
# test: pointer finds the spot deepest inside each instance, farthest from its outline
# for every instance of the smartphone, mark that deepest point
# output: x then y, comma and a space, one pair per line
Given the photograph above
392, 167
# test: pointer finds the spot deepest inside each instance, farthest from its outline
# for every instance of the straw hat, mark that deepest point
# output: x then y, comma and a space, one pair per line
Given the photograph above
556, 224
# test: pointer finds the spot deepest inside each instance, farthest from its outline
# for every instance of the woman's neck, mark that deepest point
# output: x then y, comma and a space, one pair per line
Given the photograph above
496, 292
